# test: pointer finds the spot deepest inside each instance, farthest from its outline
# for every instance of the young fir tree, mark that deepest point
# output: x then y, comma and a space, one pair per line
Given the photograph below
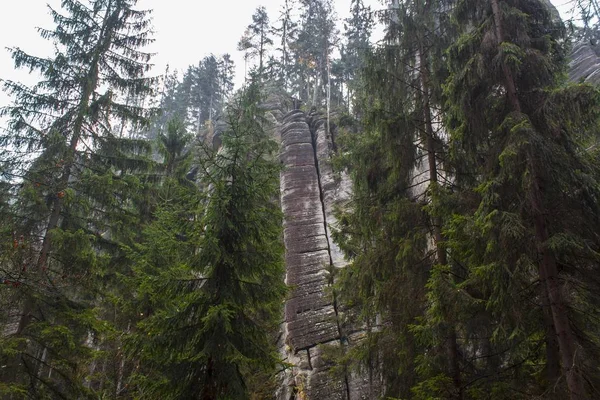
152, 257
211, 268
67, 201
524, 206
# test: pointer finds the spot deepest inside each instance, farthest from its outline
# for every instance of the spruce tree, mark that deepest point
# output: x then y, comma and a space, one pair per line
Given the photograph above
211, 84
61, 213
523, 230
286, 31
312, 49
211, 267
256, 39
201, 93
357, 30
397, 168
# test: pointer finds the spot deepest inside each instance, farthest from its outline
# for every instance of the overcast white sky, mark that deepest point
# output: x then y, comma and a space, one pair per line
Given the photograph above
185, 30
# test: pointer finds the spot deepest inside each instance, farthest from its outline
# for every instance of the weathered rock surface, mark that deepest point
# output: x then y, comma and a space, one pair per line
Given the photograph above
585, 63
336, 188
310, 191
310, 315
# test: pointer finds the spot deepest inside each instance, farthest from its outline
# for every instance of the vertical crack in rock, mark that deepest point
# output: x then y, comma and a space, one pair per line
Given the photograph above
313, 135
313, 315
309, 192
309, 312
309, 360
314, 126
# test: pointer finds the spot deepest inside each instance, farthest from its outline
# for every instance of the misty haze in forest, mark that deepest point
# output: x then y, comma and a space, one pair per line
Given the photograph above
300, 200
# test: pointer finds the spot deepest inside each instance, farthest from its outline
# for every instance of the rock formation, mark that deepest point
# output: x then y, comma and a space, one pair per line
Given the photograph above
585, 63
310, 314
309, 192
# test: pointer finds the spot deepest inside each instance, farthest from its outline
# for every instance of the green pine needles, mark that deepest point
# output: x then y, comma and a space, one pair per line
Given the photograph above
210, 271
73, 199
471, 228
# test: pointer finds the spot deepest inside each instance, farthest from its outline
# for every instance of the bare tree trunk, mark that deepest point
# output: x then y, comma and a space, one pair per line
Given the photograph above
315, 89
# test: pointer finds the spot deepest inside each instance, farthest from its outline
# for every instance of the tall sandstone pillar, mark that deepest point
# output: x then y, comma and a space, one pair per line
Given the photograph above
309, 192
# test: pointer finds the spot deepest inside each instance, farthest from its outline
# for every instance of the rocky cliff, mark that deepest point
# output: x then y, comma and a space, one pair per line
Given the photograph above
311, 317
585, 63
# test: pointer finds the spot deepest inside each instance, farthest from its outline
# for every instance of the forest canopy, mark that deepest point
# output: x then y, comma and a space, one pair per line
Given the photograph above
411, 216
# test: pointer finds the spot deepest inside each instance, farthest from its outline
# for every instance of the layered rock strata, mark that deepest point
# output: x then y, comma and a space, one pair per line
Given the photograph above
309, 193
310, 316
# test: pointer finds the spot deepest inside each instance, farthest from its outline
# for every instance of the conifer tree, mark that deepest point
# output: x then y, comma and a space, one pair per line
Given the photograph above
205, 93
226, 74
523, 229
214, 270
201, 94
256, 39
170, 104
61, 213
312, 49
396, 180
286, 31
357, 30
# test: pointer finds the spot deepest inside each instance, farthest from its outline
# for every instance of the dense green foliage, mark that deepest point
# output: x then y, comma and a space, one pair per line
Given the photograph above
141, 251
474, 272
209, 270
75, 198
197, 98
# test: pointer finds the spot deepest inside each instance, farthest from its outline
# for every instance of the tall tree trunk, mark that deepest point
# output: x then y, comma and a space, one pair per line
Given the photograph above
260, 55
451, 341
548, 269
29, 306
509, 81
209, 391
57, 206
552, 347
316, 88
